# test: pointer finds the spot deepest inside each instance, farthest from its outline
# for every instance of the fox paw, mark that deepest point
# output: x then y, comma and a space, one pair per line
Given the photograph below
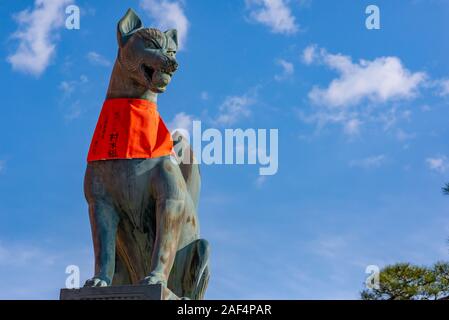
96, 282
155, 278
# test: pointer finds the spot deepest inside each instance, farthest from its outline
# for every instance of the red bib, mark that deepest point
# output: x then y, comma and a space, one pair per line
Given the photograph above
128, 129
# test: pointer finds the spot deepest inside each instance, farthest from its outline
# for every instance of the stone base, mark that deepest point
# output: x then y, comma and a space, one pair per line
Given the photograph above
137, 292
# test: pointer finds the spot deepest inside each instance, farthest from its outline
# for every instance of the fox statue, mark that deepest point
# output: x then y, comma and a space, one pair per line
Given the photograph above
142, 203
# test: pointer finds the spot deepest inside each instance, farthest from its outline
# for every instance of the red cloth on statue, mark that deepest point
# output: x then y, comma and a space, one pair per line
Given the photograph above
129, 129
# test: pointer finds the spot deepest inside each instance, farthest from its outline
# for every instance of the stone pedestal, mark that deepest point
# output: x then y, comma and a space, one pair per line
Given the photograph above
137, 292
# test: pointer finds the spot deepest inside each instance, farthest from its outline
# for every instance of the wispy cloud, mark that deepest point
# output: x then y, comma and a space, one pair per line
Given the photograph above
288, 69
66, 87
322, 117
37, 34
2, 165
369, 162
442, 87
41, 268
233, 109
426, 108
402, 136
330, 246
352, 126
260, 181
23, 255
72, 109
204, 95
69, 86
168, 14
276, 14
97, 59
309, 54
390, 117
439, 163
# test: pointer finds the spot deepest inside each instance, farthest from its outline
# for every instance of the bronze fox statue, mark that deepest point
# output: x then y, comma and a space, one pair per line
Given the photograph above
143, 211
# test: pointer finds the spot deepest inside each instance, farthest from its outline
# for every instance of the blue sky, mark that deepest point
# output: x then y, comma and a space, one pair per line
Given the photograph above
362, 118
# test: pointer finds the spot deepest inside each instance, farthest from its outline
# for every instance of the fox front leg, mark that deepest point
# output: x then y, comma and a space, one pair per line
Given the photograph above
170, 212
169, 217
104, 221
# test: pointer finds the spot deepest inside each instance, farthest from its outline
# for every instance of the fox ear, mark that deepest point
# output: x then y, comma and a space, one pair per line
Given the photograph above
127, 26
172, 33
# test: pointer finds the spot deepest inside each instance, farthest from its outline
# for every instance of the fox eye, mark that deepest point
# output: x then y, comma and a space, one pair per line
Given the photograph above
152, 45
171, 53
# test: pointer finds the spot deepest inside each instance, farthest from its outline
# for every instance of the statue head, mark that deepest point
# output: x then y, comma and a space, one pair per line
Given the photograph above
147, 55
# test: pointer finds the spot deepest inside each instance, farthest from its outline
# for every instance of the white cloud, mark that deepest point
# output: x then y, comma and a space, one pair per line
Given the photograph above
168, 14
36, 35
380, 80
360, 93
288, 69
181, 122
443, 87
275, 14
369, 162
439, 164
233, 109
97, 59
309, 54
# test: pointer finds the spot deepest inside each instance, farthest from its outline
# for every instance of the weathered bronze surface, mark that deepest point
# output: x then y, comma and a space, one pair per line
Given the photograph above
143, 212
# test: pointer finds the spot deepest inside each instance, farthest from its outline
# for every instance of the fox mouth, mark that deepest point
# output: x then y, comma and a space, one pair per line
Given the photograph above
157, 81
148, 72
153, 83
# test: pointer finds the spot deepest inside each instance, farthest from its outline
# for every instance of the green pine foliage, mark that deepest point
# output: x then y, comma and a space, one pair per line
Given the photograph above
404, 281
446, 189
